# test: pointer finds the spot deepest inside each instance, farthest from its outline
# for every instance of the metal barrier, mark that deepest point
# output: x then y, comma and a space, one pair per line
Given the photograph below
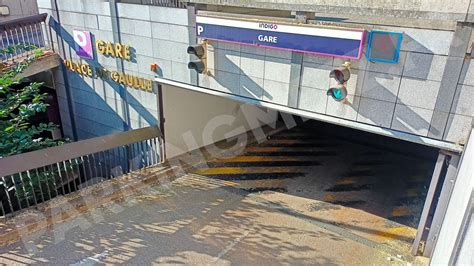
35, 177
22, 34
164, 3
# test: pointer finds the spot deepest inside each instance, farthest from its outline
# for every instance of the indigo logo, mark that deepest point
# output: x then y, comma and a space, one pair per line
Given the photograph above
268, 26
83, 42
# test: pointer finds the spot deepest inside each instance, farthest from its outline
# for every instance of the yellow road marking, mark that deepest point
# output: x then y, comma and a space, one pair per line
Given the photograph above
264, 149
401, 211
231, 184
412, 192
279, 149
398, 232
239, 170
291, 141
348, 180
264, 159
329, 197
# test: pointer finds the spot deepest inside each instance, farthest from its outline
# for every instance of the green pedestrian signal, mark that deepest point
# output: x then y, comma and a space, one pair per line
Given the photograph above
341, 75
338, 93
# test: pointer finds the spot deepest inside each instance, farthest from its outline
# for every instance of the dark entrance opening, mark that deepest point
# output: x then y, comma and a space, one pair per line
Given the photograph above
371, 186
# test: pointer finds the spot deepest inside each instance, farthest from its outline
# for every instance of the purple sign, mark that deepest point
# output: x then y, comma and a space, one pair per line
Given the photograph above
326, 41
83, 42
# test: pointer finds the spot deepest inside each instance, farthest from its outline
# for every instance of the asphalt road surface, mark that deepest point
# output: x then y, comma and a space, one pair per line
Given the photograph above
294, 199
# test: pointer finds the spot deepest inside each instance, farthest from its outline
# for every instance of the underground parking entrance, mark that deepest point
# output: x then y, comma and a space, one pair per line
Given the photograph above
364, 186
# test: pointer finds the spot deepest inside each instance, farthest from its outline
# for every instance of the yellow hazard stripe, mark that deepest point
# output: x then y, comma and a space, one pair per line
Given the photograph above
244, 159
402, 211
239, 170
291, 141
280, 149
412, 192
402, 232
348, 180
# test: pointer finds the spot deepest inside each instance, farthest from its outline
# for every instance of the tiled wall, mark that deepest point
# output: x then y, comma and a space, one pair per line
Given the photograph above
404, 96
19, 8
414, 96
156, 34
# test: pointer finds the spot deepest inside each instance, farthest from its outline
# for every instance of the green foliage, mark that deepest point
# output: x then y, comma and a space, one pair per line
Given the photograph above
19, 103
42, 184
18, 106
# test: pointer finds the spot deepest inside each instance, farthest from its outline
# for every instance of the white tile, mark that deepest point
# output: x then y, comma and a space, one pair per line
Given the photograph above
276, 92
376, 112
411, 119
312, 99
316, 76
418, 93
458, 128
133, 11
346, 110
464, 101
381, 86
277, 69
251, 87
252, 65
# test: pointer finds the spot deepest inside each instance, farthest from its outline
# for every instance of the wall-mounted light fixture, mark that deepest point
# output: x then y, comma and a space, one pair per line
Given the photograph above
4, 11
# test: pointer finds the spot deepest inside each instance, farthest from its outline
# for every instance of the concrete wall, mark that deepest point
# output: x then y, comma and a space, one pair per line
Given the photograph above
427, 93
19, 8
458, 206
197, 119
466, 251
157, 35
422, 9
418, 95
154, 33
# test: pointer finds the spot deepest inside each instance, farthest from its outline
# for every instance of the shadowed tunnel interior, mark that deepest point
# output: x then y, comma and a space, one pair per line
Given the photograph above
349, 177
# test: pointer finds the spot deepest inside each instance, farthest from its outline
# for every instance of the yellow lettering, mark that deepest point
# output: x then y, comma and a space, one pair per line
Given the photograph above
100, 45
113, 49
122, 79
136, 85
141, 84
76, 67
110, 50
118, 50
148, 85
89, 71
126, 53
84, 69
115, 76
129, 79
68, 64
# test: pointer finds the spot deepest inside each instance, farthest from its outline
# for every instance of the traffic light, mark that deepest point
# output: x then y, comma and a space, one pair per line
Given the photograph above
341, 75
200, 51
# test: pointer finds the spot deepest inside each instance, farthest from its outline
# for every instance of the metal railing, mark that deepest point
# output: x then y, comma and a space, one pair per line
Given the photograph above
164, 3
29, 179
21, 35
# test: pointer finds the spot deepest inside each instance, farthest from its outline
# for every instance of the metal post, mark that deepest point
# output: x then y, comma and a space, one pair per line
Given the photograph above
162, 120
192, 39
428, 202
446, 191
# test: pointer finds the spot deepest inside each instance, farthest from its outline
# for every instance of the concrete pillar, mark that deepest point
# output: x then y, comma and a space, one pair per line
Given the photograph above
444, 102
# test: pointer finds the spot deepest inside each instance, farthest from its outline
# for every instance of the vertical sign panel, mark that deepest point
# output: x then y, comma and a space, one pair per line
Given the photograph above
83, 42
337, 42
384, 46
